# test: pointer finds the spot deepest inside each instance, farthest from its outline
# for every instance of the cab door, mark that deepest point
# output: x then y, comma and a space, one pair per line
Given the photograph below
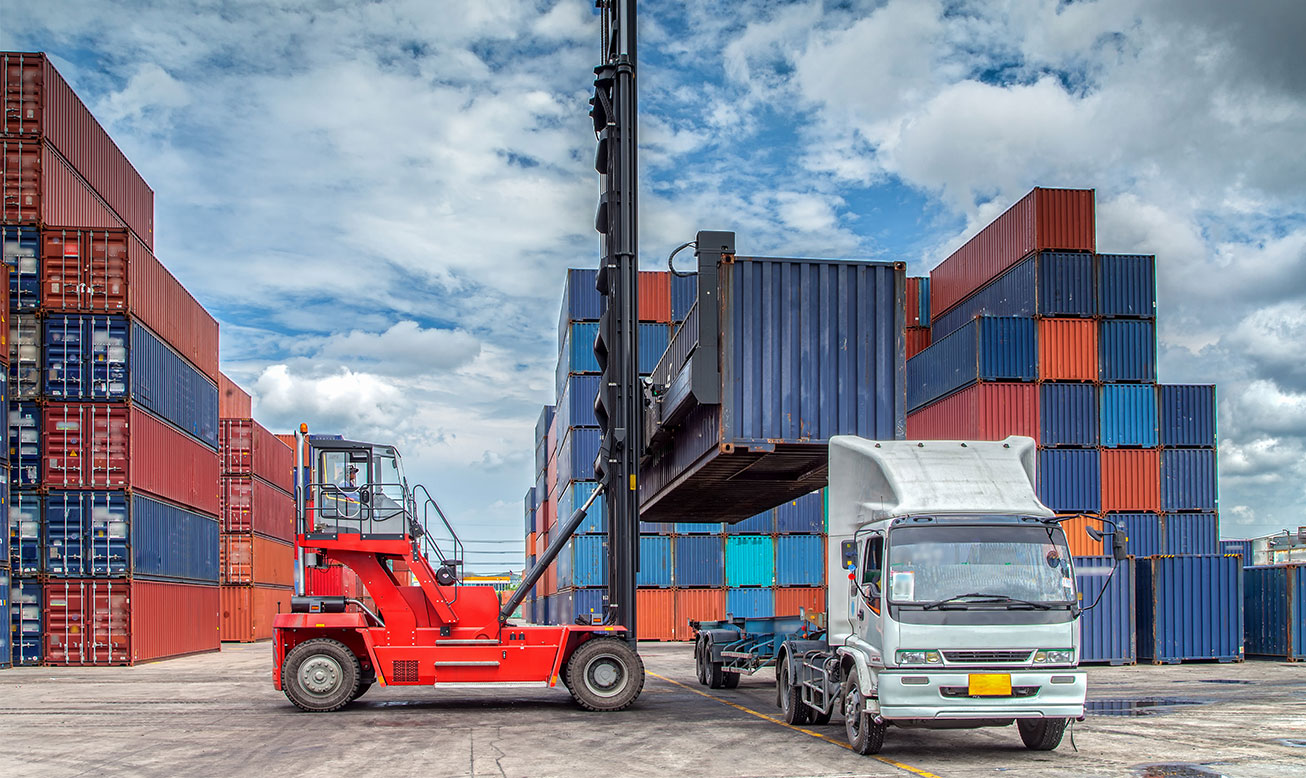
867, 595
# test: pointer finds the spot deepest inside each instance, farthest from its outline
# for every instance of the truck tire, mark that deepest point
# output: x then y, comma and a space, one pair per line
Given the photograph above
864, 736
792, 709
320, 675
1041, 734
730, 680
700, 661
362, 689
605, 674
713, 675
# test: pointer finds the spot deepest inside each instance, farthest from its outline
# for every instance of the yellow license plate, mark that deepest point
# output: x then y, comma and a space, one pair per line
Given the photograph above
990, 685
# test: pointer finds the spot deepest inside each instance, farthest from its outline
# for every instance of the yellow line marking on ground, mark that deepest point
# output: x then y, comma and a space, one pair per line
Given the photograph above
813, 733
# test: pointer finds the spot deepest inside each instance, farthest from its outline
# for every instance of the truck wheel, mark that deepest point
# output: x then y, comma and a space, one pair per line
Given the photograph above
700, 662
1041, 734
792, 708
865, 736
730, 680
320, 675
605, 674
713, 676
362, 689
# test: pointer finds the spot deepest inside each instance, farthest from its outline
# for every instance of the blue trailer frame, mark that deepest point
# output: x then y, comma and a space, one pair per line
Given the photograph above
736, 646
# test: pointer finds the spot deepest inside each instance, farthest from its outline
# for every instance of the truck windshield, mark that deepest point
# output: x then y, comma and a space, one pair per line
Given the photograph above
977, 566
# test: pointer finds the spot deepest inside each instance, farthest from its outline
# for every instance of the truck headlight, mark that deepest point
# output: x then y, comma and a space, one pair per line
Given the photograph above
919, 657
1054, 656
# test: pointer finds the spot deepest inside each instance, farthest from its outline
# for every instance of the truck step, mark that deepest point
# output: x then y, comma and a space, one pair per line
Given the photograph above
467, 642
737, 654
489, 663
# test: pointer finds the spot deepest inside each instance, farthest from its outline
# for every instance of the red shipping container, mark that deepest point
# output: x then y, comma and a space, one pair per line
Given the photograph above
1045, 219
247, 448
248, 611
39, 103
1067, 350
235, 403
1077, 537
654, 296
251, 504
289, 440
918, 339
111, 445
655, 614
979, 412
40, 187
333, 581
121, 622
1131, 480
697, 605
789, 599
913, 302
253, 559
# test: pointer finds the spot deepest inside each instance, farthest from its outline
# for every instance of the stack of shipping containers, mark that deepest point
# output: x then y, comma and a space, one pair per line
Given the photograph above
1032, 332
257, 551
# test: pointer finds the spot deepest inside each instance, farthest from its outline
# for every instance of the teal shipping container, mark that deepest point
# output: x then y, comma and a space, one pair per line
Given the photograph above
750, 560
799, 560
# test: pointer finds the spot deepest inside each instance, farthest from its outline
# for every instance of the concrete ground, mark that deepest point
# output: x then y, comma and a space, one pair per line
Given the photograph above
217, 714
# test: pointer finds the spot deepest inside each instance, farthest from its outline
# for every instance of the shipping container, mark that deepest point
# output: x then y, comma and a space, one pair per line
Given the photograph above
1106, 631
750, 560
570, 605
789, 600
20, 249
253, 559
697, 605
581, 300
1131, 480
1070, 480
168, 386
39, 103
1045, 219
25, 362
1046, 284
169, 542
572, 496
699, 560
86, 357
26, 621
26, 523
918, 339
1068, 415
1127, 351
248, 611
25, 444
251, 504
1077, 537
1242, 548
1145, 533
1190, 607
799, 560
233, 402
761, 524
1126, 285
576, 455
39, 186
986, 349
653, 340
6, 635
696, 528
576, 401
655, 614
247, 448
656, 528
1067, 350
1191, 533
1274, 611
576, 350
684, 291
918, 301
1128, 415
793, 335
803, 515
654, 298
332, 581
583, 562
119, 622
979, 412
1188, 480
750, 603
1187, 415
4, 526
104, 445
529, 507
655, 568
542, 451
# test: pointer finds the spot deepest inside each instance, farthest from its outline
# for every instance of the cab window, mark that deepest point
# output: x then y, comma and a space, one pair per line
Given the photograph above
873, 560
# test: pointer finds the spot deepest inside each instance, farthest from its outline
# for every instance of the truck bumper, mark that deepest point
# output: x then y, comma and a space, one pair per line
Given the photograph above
906, 694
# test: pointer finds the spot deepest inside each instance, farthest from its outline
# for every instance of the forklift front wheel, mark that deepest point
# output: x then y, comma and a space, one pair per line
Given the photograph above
320, 675
605, 674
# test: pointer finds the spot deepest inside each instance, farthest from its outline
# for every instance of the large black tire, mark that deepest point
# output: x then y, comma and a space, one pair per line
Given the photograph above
792, 709
821, 719
1041, 734
700, 661
730, 680
362, 689
605, 674
864, 736
712, 671
320, 675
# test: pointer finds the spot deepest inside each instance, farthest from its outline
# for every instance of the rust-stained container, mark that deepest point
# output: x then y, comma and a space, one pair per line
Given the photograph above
1131, 480
114, 446
251, 504
1067, 350
253, 559
789, 599
248, 611
986, 411
655, 613
1044, 219
697, 605
235, 403
1077, 537
247, 448
654, 299
121, 622
39, 103
918, 339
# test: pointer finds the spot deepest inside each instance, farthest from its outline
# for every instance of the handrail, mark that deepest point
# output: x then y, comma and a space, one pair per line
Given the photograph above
428, 540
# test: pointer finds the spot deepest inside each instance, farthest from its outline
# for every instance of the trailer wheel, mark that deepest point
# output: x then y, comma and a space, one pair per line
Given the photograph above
700, 662
865, 736
713, 675
1041, 734
605, 674
320, 675
791, 697
730, 680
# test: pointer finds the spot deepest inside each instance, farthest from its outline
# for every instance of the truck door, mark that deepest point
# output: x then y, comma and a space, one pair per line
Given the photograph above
867, 597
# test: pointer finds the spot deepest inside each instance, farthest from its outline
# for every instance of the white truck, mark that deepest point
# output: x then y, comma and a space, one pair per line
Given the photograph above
950, 603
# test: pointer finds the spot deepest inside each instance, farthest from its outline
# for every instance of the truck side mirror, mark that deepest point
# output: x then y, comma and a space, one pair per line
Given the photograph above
848, 549
1119, 550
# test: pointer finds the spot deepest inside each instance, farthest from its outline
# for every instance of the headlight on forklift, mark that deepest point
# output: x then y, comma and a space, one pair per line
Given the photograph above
1054, 656
919, 657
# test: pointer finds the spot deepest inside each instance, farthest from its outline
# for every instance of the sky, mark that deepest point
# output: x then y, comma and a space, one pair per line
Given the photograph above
377, 199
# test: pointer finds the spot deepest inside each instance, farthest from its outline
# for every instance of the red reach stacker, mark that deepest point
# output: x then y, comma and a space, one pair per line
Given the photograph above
356, 509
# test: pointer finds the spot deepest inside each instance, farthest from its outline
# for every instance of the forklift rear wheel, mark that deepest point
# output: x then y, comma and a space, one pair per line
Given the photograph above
792, 708
321, 675
605, 674
865, 736
1041, 734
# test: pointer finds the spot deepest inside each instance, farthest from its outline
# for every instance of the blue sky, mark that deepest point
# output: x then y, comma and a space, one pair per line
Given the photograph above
377, 199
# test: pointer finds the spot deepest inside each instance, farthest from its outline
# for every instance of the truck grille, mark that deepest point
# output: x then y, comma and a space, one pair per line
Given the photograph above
984, 657
962, 691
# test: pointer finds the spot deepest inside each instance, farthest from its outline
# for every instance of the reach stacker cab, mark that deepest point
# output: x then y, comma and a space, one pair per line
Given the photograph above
355, 508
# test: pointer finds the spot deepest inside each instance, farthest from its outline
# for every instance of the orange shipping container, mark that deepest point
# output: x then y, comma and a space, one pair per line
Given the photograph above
235, 403
247, 611
1078, 538
655, 296
1131, 480
253, 559
289, 440
918, 339
789, 600
697, 605
1067, 350
655, 612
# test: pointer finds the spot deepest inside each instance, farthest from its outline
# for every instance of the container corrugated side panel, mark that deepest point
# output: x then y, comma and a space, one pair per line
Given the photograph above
233, 402
1070, 480
1014, 293
684, 293
1188, 416
788, 600
1191, 533
577, 353
917, 340
697, 605
1127, 351
250, 504
1189, 608
989, 411
750, 603
699, 560
655, 614
247, 611
174, 619
1131, 480
26, 620
761, 524
542, 424
20, 250
167, 463
572, 496
1242, 548
576, 401
750, 560
654, 296
1188, 480
1107, 631
655, 566
1068, 415
801, 516
577, 453
588, 559
169, 542
581, 300
1066, 284
1067, 350
1128, 415
160, 302
653, 339
1268, 610
1127, 285
169, 386
1145, 532
799, 560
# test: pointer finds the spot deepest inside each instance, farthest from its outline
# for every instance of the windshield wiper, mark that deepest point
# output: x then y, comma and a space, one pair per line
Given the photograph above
988, 599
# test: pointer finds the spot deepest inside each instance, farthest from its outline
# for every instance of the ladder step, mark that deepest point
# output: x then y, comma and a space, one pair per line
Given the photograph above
467, 642
467, 664
737, 654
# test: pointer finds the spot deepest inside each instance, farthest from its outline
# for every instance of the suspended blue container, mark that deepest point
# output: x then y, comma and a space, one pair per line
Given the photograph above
172, 543
652, 343
684, 292
1127, 351
1106, 632
164, 383
799, 560
25, 444
1190, 608
583, 561
1048, 284
572, 496
1188, 480
1191, 533
1242, 548
1126, 285
1070, 480
761, 524
751, 603
657, 527
1274, 611
26, 547
986, 349
86, 357
696, 528
1188, 415
576, 401
750, 560
21, 249
1128, 413
1068, 414
805, 515
699, 560
576, 454
1144, 531
581, 300
655, 568
26, 621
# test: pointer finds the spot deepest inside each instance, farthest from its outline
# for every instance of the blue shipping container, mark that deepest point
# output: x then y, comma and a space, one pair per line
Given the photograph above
583, 561
542, 424
1242, 548
4, 522
573, 495
576, 354
6, 636
1047, 284
164, 383
68, 535
699, 560
1188, 415
86, 357
106, 527
26, 621
751, 603
1127, 351
1145, 533
805, 515
652, 343
1191, 533
576, 401
571, 605
684, 292
25, 364
1188, 480
529, 506
696, 528
985, 349
1190, 607
761, 524
172, 543
25, 444
1274, 611
26, 549
576, 454
799, 560
655, 566
21, 250
1128, 413
750, 560
1070, 480
1106, 631
1068, 414
581, 300
1126, 285
656, 527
